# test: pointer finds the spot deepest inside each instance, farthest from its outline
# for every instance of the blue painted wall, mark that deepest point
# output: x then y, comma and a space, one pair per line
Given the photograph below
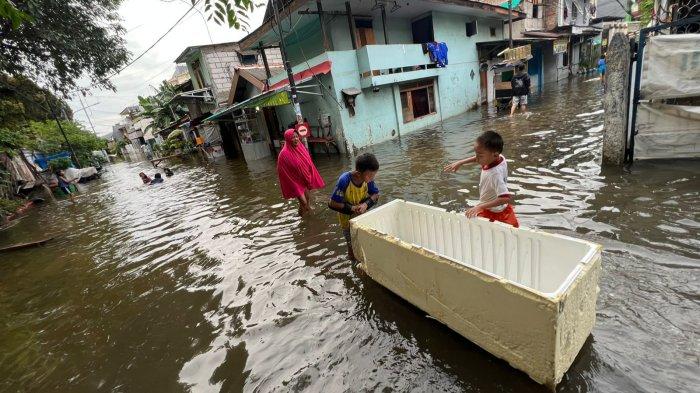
375, 117
378, 114
459, 91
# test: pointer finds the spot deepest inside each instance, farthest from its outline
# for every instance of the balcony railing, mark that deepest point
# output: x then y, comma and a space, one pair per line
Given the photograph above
385, 64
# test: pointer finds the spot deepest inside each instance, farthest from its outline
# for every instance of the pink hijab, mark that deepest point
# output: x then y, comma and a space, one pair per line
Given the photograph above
295, 169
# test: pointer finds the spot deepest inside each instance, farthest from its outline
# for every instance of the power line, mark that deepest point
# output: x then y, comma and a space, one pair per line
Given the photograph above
152, 45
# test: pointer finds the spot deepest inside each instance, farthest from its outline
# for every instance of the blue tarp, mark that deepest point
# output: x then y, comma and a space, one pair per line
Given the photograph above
43, 160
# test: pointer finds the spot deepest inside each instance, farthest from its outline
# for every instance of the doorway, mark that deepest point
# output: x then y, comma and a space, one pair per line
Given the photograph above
365, 32
229, 139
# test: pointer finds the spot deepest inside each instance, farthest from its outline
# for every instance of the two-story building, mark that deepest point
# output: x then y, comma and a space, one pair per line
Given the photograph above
211, 69
562, 29
367, 71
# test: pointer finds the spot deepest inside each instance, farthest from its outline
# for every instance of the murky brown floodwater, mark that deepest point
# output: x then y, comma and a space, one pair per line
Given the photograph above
210, 281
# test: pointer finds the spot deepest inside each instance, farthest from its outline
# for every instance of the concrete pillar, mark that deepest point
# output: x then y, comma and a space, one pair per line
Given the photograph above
615, 100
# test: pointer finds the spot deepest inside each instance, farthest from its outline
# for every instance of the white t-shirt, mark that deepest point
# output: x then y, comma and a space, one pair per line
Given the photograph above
494, 183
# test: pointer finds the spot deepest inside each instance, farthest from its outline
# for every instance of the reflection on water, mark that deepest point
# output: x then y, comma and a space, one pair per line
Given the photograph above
210, 281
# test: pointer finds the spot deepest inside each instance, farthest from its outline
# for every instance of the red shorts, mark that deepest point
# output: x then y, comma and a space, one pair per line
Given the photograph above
507, 216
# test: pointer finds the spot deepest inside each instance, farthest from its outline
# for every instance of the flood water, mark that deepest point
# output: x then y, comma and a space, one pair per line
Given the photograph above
211, 282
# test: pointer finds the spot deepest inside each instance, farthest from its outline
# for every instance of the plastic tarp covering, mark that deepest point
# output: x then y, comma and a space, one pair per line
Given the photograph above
211, 134
671, 67
76, 173
667, 131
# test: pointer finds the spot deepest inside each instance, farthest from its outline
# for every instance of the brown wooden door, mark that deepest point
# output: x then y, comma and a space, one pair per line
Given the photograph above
365, 36
483, 74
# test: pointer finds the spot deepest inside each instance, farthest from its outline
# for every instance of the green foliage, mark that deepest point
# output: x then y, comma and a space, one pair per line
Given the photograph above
157, 108
12, 139
48, 137
9, 206
22, 100
234, 13
12, 15
64, 40
60, 164
646, 10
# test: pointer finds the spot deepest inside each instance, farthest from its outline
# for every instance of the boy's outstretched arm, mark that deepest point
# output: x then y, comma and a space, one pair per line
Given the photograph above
474, 211
453, 167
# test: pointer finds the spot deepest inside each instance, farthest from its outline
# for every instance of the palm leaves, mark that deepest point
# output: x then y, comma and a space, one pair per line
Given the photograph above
159, 108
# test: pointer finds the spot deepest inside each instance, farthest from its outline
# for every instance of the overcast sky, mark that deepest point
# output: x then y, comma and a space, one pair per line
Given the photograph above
145, 21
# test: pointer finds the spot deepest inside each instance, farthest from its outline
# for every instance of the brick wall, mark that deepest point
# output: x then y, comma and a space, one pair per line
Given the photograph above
222, 59
550, 14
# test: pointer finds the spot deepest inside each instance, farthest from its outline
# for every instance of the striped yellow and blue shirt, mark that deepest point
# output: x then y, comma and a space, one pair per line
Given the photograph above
347, 191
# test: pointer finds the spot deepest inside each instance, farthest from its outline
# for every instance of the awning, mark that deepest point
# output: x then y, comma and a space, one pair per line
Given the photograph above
544, 34
299, 77
269, 98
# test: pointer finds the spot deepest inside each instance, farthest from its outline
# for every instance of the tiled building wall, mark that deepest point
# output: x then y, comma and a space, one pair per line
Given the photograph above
222, 59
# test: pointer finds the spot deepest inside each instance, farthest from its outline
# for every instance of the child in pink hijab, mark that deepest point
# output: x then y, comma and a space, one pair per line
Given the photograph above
297, 173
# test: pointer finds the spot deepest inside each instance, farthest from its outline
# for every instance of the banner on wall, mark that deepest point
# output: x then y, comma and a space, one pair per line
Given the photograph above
561, 45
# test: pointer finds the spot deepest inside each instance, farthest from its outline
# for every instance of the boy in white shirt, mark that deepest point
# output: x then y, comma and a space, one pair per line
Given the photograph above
494, 198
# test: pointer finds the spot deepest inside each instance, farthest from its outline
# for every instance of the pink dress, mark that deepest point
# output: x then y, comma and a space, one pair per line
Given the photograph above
296, 171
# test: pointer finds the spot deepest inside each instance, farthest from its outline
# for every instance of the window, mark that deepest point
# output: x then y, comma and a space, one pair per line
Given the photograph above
417, 100
247, 59
574, 11
422, 30
197, 70
565, 59
492, 31
471, 29
537, 12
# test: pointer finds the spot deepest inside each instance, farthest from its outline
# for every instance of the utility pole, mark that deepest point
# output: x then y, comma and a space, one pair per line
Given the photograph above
288, 67
510, 24
60, 127
87, 115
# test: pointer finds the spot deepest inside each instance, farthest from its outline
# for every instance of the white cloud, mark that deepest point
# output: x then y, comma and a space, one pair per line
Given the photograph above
145, 21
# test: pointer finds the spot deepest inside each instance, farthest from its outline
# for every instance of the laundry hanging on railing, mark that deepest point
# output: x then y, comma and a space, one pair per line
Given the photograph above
437, 52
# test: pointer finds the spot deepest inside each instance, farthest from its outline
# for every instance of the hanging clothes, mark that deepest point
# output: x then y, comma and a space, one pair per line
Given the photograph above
443, 53
438, 53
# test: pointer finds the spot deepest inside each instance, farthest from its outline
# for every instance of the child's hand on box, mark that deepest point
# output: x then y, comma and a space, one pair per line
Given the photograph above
474, 211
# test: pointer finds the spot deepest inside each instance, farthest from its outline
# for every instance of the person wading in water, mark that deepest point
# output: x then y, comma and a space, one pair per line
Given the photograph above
297, 173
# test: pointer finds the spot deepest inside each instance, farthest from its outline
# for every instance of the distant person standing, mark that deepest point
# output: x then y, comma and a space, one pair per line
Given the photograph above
602, 67
520, 85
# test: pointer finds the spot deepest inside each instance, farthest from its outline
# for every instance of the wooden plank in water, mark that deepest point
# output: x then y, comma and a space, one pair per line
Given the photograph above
157, 161
20, 246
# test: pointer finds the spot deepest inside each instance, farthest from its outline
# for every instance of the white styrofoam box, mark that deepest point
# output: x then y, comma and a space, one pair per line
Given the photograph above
525, 296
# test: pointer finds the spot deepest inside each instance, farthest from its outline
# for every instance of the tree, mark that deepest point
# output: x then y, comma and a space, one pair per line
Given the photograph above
46, 137
61, 41
157, 108
235, 13
22, 101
